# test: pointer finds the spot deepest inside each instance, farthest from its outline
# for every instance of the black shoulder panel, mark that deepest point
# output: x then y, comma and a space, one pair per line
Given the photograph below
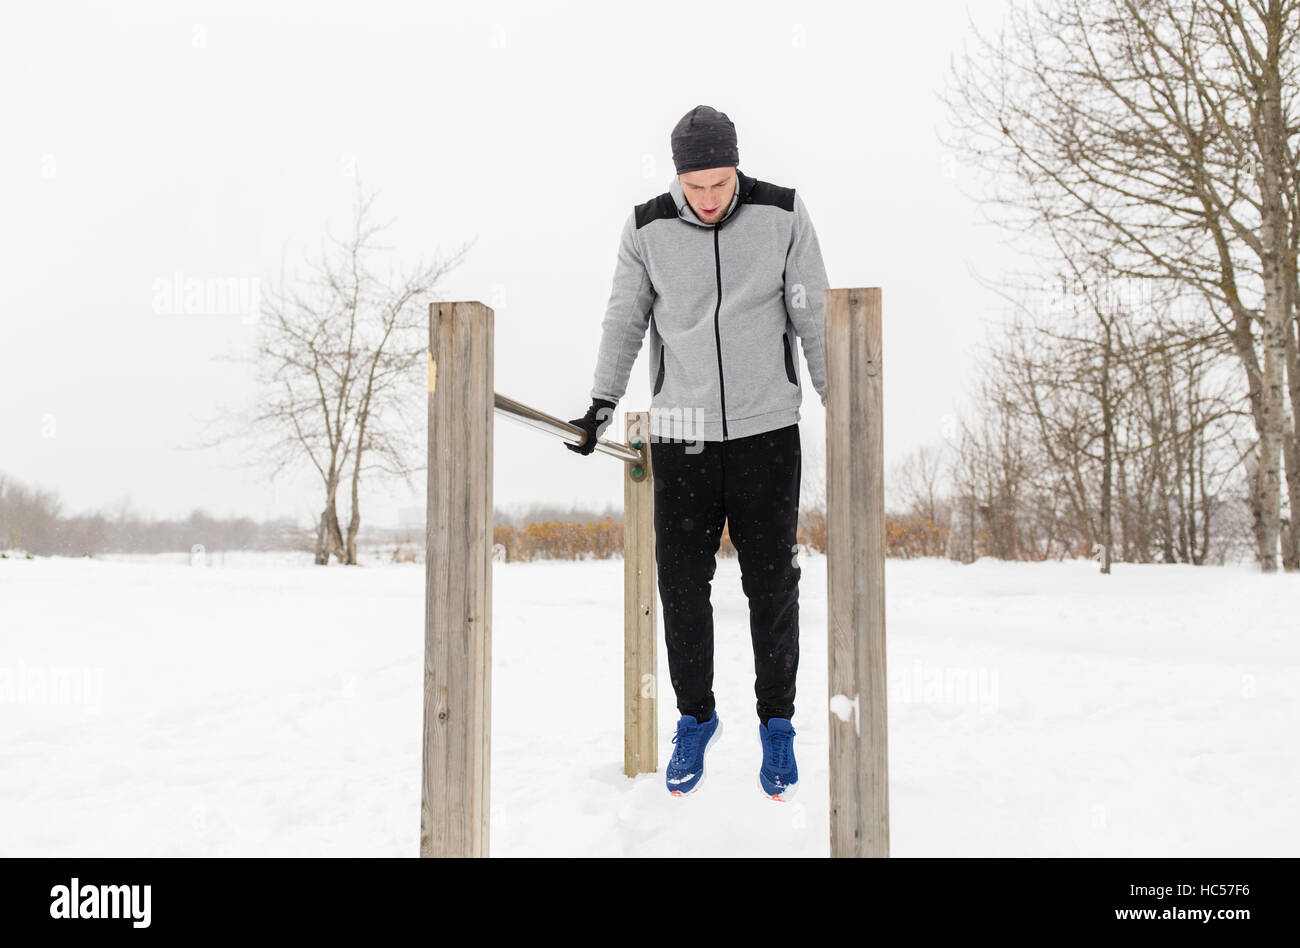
655, 209
761, 192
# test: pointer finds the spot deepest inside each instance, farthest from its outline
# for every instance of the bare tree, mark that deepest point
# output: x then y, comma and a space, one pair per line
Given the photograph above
1002, 508
918, 481
1161, 134
920, 484
1124, 413
29, 518
341, 355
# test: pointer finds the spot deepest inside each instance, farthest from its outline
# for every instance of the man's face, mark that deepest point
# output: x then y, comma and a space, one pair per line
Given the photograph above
709, 192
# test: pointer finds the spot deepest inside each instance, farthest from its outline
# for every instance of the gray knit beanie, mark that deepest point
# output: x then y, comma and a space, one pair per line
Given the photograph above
704, 138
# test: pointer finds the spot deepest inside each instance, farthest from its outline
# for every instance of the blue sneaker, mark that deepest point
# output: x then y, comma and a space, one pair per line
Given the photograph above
685, 771
779, 775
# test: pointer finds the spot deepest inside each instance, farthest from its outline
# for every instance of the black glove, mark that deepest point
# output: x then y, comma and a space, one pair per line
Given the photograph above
597, 419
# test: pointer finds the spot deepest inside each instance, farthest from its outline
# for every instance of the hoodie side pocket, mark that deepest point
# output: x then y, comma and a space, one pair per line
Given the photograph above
659, 379
789, 359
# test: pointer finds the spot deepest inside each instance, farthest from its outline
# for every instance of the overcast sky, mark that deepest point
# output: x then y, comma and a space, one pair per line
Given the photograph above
217, 140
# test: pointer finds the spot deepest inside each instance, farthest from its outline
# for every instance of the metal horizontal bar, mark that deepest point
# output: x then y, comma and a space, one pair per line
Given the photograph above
523, 414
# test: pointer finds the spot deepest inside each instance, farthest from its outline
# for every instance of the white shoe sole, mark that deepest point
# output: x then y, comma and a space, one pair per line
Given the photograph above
785, 796
717, 731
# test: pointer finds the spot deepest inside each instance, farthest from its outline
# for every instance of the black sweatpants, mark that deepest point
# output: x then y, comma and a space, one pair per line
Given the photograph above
753, 485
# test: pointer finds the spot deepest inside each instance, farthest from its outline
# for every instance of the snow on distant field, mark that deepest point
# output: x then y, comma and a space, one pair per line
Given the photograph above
264, 706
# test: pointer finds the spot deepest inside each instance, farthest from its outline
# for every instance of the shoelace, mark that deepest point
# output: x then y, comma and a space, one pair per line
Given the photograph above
685, 751
778, 744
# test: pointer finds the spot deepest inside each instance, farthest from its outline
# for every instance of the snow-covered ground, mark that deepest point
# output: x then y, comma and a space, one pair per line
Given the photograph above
263, 706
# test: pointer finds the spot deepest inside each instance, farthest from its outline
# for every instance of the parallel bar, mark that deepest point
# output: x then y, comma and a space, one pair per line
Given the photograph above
640, 681
855, 575
518, 411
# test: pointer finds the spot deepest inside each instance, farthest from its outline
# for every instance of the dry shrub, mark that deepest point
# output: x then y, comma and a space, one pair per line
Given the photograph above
913, 535
561, 540
906, 537
812, 529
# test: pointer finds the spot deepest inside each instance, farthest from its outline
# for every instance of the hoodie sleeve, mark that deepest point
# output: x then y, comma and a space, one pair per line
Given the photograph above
626, 318
805, 294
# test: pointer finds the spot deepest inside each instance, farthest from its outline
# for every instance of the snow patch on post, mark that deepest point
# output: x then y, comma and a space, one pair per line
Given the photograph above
842, 707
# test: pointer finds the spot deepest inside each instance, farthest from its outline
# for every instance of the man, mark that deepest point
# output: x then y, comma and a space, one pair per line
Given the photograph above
725, 271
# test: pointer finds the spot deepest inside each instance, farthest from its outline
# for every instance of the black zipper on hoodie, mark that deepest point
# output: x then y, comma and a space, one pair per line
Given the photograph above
717, 330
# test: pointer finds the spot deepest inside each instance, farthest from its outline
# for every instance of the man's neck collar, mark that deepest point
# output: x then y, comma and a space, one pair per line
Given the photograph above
744, 184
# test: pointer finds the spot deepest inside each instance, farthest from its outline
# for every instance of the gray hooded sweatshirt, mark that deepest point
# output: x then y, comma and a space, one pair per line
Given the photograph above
724, 303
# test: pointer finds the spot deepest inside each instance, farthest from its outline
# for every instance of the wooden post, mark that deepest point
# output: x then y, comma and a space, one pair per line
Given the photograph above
855, 575
454, 806
640, 684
